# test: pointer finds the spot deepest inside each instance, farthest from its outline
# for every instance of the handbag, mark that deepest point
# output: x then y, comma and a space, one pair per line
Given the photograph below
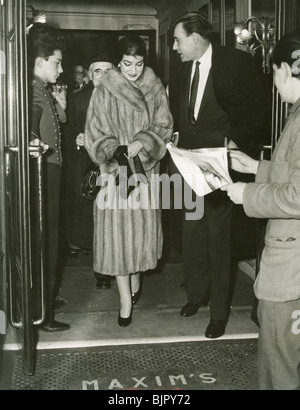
89, 188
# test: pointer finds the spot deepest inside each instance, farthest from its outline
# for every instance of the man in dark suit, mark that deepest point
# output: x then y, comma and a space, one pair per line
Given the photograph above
215, 99
78, 210
45, 58
76, 82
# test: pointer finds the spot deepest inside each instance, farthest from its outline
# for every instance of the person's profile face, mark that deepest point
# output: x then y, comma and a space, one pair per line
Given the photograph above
98, 69
51, 68
78, 74
132, 67
281, 86
183, 44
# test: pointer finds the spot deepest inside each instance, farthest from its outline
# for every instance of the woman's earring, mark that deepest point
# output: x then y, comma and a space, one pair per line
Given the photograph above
119, 65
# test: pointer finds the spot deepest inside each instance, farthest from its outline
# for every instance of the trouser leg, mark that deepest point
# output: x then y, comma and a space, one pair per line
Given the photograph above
218, 212
51, 201
278, 357
195, 256
207, 255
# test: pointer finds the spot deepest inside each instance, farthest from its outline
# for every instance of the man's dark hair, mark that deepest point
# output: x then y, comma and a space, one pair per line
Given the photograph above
132, 45
287, 50
195, 22
42, 41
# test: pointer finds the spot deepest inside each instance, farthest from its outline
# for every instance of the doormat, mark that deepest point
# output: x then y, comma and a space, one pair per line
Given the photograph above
213, 365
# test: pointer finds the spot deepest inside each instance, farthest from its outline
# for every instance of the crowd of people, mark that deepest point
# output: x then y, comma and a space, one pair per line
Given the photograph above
122, 119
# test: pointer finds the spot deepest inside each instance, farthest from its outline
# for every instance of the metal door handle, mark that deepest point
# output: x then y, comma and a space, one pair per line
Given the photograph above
14, 323
40, 150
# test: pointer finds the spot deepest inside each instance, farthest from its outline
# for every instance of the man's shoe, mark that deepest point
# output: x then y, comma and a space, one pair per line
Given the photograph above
103, 284
87, 252
73, 253
191, 309
59, 303
215, 329
55, 327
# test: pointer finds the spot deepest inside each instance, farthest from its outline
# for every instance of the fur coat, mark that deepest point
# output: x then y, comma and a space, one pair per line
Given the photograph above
127, 240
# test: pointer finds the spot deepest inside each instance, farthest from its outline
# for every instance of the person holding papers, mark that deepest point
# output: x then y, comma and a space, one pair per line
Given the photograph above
213, 99
276, 195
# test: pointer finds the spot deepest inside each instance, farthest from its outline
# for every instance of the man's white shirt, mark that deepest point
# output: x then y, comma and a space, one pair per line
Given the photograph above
205, 66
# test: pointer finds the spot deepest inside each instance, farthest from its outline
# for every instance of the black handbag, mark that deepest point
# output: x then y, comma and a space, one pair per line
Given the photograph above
89, 188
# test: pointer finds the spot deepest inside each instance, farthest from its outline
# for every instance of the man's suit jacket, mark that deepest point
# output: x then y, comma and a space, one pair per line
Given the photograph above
78, 104
238, 89
45, 117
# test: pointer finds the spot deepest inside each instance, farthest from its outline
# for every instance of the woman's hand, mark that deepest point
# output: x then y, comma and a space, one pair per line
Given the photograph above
80, 139
241, 162
235, 191
134, 148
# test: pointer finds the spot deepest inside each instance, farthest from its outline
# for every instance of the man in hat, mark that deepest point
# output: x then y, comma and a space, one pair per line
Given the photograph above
78, 210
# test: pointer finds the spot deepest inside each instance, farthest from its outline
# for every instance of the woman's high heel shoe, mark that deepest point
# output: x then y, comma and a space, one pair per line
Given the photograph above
124, 321
136, 296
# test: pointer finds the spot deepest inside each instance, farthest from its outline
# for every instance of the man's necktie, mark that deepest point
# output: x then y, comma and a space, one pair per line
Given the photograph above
194, 90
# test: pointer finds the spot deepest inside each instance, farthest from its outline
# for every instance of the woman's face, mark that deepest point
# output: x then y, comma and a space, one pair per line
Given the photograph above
132, 67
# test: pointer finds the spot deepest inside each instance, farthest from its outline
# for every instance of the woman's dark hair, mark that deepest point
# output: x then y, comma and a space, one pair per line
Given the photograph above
132, 45
195, 22
42, 41
287, 50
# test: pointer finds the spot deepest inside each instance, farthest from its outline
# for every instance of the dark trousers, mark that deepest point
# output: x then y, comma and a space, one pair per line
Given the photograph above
52, 176
101, 276
206, 252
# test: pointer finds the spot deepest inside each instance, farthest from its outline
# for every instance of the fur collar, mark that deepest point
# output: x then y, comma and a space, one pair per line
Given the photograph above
135, 94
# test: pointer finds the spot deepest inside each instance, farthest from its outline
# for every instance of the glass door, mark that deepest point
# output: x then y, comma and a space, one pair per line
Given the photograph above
15, 245
3, 301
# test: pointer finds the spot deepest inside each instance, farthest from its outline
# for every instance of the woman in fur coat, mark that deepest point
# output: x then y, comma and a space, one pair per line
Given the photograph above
128, 110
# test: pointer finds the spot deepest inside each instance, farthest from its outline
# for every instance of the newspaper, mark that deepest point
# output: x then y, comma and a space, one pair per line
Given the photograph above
205, 170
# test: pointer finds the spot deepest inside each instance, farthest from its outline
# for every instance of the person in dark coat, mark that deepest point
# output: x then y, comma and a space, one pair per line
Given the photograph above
216, 99
46, 114
78, 210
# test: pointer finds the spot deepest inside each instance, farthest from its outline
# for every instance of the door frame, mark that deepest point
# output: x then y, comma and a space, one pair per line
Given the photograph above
14, 174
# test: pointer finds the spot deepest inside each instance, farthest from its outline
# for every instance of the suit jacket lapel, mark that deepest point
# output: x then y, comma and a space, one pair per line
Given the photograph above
187, 80
205, 97
185, 86
216, 72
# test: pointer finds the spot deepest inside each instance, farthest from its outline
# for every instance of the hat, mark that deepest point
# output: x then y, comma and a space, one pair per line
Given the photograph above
100, 57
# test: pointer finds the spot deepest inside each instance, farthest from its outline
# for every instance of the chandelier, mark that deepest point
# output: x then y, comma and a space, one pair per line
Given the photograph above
34, 16
257, 33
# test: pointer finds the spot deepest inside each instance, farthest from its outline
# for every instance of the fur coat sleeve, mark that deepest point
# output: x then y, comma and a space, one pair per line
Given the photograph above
121, 112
